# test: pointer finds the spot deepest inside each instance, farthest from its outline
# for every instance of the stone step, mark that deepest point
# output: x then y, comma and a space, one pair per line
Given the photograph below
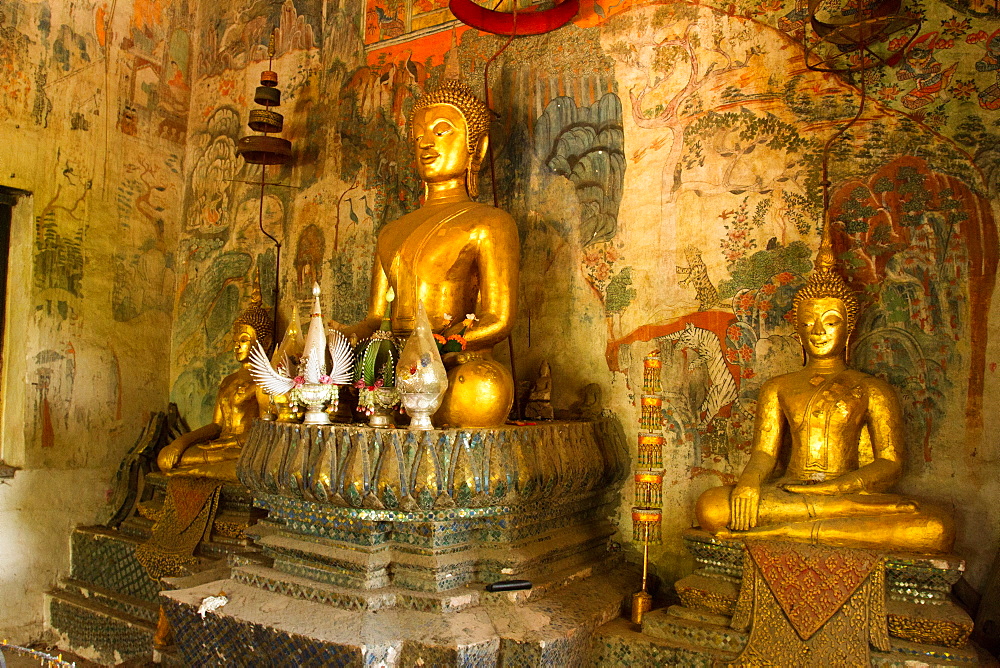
346, 598
94, 630
942, 624
127, 605
664, 625
679, 628
279, 630
105, 558
619, 644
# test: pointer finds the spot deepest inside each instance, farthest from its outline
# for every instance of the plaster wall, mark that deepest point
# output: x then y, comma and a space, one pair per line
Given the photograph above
93, 113
663, 163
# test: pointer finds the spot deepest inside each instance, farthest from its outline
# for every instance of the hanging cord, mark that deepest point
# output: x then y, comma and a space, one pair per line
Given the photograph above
260, 219
825, 182
486, 90
496, 200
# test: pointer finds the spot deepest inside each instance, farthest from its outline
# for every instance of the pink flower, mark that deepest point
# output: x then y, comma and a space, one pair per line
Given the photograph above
379, 382
299, 381
326, 380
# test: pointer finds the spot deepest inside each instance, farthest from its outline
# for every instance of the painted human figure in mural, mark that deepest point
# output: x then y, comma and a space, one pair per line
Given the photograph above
829, 492
212, 451
989, 98
455, 255
923, 68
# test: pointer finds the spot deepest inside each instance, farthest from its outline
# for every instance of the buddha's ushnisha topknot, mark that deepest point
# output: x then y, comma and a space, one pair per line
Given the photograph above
826, 282
257, 317
457, 94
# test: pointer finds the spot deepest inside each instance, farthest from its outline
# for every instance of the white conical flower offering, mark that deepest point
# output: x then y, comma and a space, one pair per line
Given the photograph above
420, 374
314, 357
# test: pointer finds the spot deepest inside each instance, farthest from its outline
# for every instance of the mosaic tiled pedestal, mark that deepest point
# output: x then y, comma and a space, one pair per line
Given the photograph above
382, 540
926, 627
107, 608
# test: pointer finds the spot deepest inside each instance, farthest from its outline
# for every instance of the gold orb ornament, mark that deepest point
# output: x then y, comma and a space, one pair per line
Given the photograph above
472, 387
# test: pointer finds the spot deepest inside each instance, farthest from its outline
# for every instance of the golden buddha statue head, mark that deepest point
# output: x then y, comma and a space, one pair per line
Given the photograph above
449, 127
254, 324
826, 309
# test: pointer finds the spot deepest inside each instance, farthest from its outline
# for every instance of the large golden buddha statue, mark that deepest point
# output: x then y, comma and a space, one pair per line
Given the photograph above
811, 475
455, 255
212, 451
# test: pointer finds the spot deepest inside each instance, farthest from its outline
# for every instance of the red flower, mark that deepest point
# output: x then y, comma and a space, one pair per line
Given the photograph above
768, 289
784, 277
748, 372
746, 352
732, 356
733, 332
898, 43
764, 305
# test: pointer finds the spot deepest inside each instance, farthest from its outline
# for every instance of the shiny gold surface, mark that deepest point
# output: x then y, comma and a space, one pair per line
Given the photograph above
211, 451
454, 255
929, 631
829, 492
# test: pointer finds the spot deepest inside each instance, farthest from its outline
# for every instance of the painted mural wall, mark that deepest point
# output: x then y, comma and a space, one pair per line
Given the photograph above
663, 161
93, 118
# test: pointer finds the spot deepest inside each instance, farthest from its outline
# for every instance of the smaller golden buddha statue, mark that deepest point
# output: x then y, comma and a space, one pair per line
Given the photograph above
212, 451
456, 256
812, 477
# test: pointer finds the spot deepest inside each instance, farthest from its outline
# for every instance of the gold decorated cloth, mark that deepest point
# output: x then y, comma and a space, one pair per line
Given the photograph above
810, 605
188, 512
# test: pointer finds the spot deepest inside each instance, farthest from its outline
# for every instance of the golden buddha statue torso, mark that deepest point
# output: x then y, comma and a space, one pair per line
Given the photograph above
455, 255
212, 451
829, 491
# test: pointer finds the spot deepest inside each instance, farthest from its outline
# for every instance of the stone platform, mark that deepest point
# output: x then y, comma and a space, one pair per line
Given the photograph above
551, 629
926, 627
108, 606
381, 542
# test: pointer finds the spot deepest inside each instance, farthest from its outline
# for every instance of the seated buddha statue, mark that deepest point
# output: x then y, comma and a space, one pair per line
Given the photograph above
212, 451
808, 479
455, 255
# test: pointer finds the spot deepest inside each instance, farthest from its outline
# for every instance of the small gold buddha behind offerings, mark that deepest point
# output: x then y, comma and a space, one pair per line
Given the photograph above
212, 451
823, 488
456, 256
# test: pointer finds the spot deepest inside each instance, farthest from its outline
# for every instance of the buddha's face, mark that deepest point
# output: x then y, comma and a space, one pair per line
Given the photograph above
440, 136
243, 338
822, 327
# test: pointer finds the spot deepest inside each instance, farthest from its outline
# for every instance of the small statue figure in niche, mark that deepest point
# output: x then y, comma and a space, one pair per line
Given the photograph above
539, 404
589, 406
212, 451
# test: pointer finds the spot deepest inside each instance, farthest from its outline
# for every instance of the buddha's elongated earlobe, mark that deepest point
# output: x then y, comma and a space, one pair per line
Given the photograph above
475, 164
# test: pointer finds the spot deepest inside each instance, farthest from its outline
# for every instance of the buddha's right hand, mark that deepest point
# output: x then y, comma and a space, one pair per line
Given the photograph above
744, 502
170, 455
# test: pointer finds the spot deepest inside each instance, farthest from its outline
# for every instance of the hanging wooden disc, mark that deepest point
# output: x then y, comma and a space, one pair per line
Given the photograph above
260, 150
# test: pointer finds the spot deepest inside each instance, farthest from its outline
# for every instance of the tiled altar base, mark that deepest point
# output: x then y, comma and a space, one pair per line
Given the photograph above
919, 606
259, 628
107, 608
695, 644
